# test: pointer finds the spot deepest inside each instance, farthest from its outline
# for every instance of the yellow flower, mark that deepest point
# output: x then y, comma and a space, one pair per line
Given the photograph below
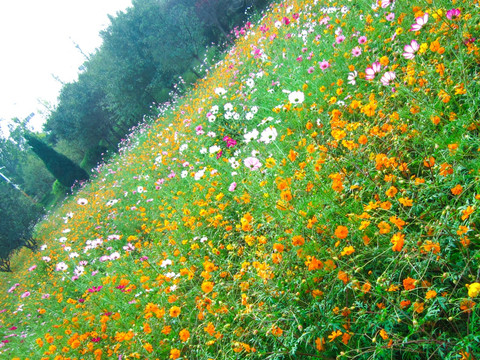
334, 335
473, 289
348, 250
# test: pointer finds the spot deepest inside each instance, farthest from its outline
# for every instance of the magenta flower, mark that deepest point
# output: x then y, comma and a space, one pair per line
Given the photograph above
230, 142
362, 40
410, 50
453, 14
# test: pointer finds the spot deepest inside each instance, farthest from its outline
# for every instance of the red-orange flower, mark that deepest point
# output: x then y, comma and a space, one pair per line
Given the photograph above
341, 232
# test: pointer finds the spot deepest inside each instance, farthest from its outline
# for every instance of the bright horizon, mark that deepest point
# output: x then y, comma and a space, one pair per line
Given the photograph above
38, 40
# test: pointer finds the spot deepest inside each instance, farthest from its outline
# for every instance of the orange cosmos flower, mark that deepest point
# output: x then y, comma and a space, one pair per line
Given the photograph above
418, 307
348, 250
276, 331
184, 335
207, 286
384, 227
391, 192
457, 190
341, 232
210, 329
343, 276
166, 330
175, 311
467, 212
320, 344
298, 240
409, 283
174, 354
397, 240
147, 346
334, 335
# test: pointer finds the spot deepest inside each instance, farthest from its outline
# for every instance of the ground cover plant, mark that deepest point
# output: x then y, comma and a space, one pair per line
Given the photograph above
316, 196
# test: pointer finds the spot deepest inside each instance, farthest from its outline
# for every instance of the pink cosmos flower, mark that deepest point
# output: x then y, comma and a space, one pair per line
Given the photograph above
232, 186
390, 17
339, 39
419, 22
356, 51
410, 50
371, 71
324, 65
362, 40
453, 14
311, 69
388, 77
386, 3
252, 163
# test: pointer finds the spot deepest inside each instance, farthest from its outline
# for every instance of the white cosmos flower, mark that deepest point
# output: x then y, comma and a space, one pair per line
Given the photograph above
220, 91
268, 135
61, 266
296, 97
252, 135
352, 78
214, 149
82, 201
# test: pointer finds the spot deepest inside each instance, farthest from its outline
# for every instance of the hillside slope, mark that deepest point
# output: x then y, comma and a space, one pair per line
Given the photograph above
315, 196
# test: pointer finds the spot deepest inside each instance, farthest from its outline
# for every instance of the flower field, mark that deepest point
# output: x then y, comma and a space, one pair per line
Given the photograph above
315, 196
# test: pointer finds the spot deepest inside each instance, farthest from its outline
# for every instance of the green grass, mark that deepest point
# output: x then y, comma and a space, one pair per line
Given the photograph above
286, 208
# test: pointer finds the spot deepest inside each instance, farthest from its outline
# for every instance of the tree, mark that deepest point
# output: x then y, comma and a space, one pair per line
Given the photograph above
61, 167
18, 216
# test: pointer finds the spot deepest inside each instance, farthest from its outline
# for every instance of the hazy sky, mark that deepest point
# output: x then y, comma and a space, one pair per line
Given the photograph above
37, 43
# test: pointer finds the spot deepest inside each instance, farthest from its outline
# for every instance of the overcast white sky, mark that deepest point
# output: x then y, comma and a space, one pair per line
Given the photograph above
37, 43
